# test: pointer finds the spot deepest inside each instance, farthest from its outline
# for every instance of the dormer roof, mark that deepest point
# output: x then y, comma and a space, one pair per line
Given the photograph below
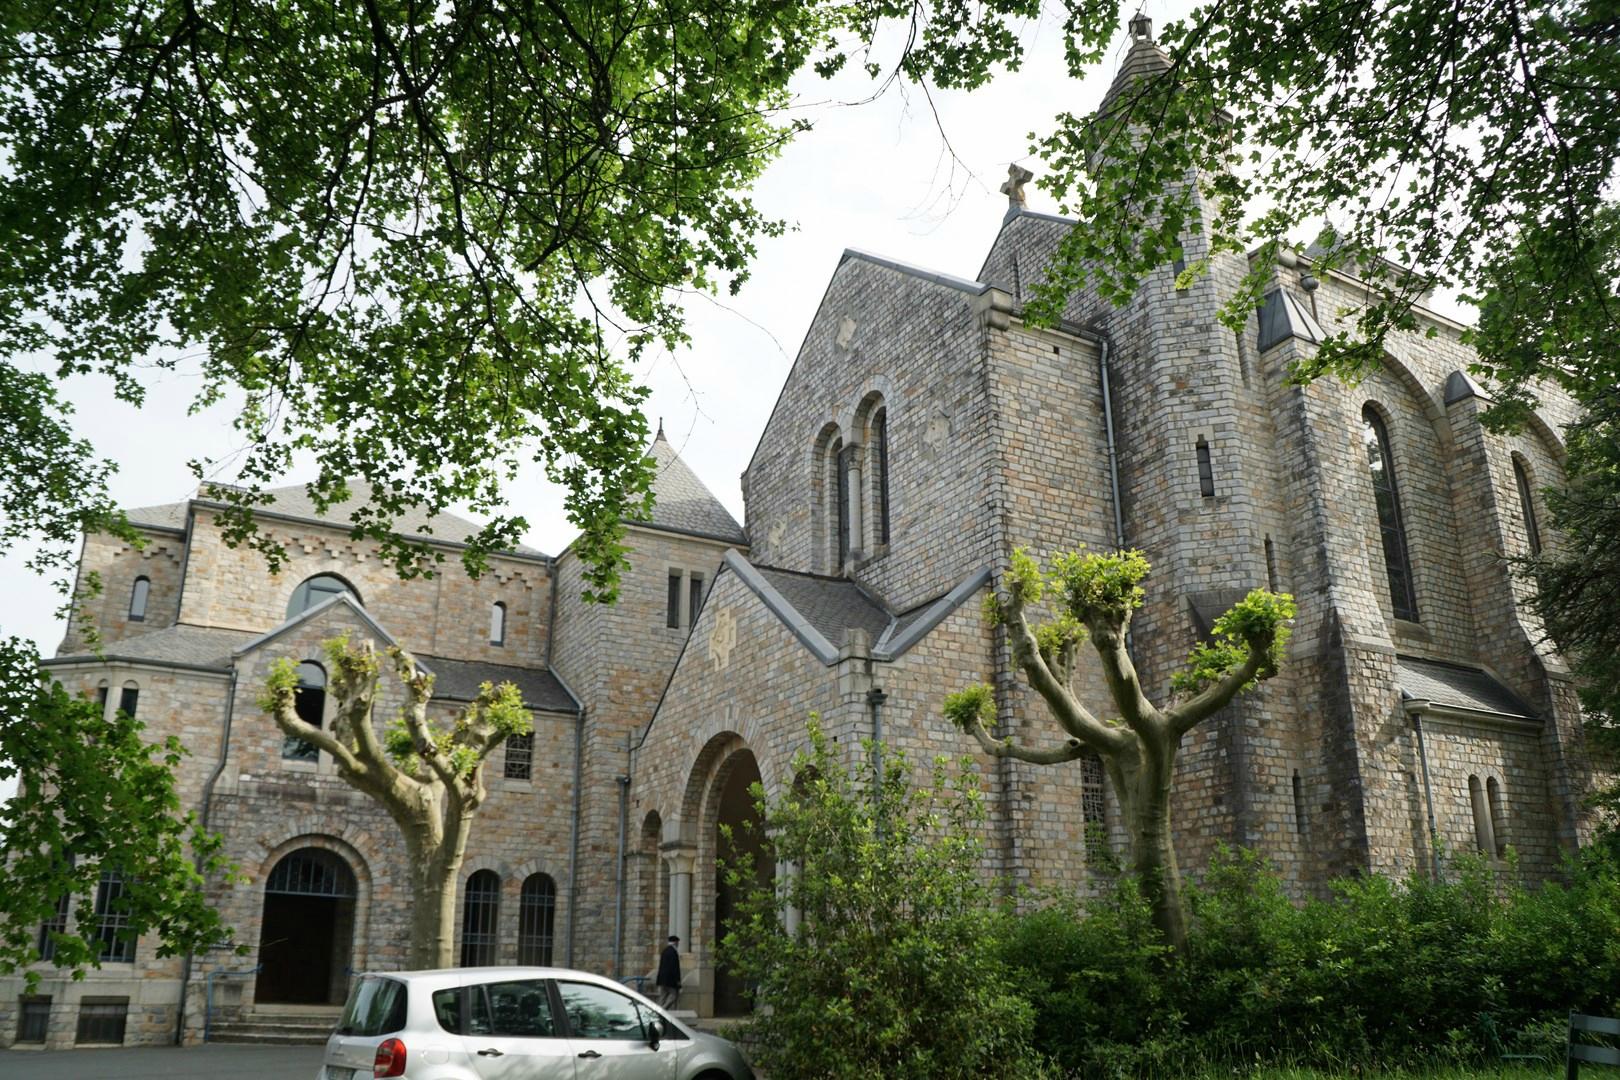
682, 503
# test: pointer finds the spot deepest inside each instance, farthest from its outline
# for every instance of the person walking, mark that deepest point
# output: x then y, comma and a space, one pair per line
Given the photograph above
669, 973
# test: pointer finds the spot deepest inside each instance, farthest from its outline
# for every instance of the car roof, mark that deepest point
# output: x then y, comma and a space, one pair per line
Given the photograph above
441, 978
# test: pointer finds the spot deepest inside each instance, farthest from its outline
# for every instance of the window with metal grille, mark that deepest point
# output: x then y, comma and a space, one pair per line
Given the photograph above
311, 872
694, 596
497, 623
112, 919
309, 702
880, 436
480, 911
519, 756
1391, 528
1527, 505
1094, 807
672, 617
102, 1020
129, 699
56, 924
137, 599
1206, 471
33, 1019
537, 913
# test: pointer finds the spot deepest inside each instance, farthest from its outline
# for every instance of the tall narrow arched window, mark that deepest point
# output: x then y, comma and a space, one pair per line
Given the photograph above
880, 453
1392, 530
309, 702
1493, 796
497, 623
1527, 504
137, 598
840, 487
537, 917
479, 914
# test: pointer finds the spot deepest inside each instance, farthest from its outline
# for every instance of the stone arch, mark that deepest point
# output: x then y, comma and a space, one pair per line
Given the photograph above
1433, 411
506, 913
822, 473
728, 803
648, 924
871, 430
339, 926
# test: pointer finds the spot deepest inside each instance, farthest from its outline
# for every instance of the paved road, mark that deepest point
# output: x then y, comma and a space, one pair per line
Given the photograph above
214, 1061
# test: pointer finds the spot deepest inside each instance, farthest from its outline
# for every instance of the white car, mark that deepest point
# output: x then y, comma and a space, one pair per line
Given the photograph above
516, 1023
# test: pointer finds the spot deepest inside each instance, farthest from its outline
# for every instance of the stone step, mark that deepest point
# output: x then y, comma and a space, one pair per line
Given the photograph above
290, 1037
276, 1027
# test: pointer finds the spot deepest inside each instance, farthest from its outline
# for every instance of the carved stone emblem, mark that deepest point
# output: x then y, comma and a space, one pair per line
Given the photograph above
938, 432
846, 332
774, 537
722, 638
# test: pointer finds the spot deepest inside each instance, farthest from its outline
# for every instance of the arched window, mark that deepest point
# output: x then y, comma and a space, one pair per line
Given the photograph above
309, 702
1527, 504
129, 698
840, 464
497, 623
137, 598
1484, 835
318, 590
480, 910
880, 483
1381, 467
1493, 796
537, 915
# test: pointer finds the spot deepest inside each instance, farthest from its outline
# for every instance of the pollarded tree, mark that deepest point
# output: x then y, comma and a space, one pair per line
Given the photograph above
1095, 595
429, 778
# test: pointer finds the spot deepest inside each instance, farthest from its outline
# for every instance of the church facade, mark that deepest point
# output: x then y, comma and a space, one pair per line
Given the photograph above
924, 432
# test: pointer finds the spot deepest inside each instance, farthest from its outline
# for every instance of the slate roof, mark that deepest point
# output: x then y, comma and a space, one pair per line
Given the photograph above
821, 610
191, 646
1144, 60
831, 605
1456, 686
681, 502
293, 501
459, 680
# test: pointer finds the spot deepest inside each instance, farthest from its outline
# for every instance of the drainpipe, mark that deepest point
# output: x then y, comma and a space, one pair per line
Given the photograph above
875, 698
1113, 450
618, 905
573, 843
1428, 796
207, 811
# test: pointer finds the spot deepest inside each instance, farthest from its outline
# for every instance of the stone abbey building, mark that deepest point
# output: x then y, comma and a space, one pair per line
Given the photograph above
923, 433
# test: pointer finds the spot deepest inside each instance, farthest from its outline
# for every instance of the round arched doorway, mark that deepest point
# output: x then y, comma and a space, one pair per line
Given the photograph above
307, 934
736, 812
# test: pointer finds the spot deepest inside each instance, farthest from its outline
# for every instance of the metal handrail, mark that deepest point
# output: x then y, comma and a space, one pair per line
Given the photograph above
208, 1015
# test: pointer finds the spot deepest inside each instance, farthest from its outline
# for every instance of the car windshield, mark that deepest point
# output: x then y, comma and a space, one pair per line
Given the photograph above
376, 1007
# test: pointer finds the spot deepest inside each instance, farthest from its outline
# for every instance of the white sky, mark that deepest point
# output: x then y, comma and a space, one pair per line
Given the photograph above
874, 176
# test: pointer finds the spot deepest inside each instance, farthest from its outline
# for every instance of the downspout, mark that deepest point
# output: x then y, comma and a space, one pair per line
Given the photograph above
618, 903
875, 698
573, 843
207, 811
1113, 450
1428, 796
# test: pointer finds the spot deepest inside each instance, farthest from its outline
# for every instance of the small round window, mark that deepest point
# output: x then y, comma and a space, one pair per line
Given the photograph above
318, 590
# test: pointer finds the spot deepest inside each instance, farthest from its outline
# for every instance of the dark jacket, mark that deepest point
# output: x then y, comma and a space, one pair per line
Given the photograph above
669, 967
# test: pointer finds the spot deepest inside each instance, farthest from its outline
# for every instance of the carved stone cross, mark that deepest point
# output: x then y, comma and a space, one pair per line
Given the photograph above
1017, 177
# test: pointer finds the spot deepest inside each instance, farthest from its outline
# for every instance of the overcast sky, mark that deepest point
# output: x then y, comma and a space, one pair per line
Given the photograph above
876, 176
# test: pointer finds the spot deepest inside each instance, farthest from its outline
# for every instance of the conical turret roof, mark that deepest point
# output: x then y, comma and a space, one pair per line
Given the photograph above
1144, 60
682, 503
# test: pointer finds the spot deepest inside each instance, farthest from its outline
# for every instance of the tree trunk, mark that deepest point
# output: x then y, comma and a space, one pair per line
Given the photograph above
1146, 805
433, 905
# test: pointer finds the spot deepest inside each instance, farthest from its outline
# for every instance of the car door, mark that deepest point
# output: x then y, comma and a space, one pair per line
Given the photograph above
608, 1032
511, 1032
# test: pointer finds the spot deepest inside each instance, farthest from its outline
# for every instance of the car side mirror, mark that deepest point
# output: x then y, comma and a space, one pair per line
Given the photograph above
656, 1031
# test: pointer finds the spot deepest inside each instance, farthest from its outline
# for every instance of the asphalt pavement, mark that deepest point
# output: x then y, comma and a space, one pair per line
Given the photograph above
214, 1061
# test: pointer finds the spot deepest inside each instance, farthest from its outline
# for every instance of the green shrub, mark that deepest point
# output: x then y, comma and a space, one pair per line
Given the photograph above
1385, 974
896, 968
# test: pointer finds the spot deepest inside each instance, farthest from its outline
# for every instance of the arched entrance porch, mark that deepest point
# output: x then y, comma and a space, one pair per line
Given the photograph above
306, 935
